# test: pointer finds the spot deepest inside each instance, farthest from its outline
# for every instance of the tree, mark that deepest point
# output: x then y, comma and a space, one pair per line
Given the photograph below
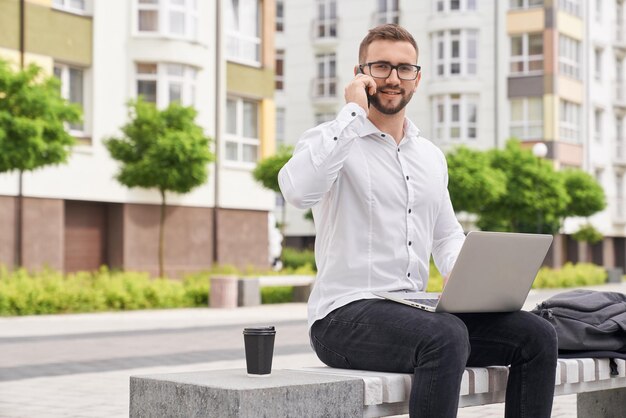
266, 173
163, 150
536, 198
33, 116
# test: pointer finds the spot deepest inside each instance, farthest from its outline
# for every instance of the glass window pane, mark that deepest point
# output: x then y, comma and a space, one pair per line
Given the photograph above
535, 44
471, 113
455, 132
77, 4
455, 4
516, 45
177, 23
250, 120
76, 86
146, 68
455, 49
535, 109
455, 113
231, 151
58, 71
175, 92
147, 89
231, 116
148, 1
148, 20
517, 110
250, 153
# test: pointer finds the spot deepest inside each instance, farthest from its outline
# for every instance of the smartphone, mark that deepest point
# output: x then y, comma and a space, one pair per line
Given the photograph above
366, 92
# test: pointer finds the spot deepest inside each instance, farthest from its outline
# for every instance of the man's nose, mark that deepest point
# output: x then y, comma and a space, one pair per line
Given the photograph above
393, 77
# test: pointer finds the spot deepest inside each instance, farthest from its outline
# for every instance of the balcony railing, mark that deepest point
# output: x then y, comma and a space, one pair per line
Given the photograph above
617, 207
324, 90
619, 156
379, 18
325, 28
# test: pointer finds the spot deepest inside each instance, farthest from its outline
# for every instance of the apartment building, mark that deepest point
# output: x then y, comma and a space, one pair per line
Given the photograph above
215, 56
548, 71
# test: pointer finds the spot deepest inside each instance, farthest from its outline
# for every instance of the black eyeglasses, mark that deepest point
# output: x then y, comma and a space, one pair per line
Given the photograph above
382, 69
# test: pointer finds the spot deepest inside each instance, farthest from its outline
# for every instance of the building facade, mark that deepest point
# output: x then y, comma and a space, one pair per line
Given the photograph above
214, 56
548, 71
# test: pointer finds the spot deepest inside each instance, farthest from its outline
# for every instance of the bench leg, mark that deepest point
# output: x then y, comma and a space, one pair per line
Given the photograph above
602, 404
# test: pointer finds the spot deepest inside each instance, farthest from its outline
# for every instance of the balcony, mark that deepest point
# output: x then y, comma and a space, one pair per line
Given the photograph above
324, 32
324, 91
619, 96
391, 16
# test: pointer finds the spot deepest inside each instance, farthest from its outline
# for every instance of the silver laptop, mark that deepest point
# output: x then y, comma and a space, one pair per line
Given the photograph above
493, 273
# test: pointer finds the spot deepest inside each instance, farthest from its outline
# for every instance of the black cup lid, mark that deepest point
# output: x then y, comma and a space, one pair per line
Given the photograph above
269, 330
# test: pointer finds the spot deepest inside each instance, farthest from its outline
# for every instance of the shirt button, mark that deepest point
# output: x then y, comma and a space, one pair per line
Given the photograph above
407, 177
383, 135
408, 275
353, 113
335, 138
409, 243
398, 149
409, 210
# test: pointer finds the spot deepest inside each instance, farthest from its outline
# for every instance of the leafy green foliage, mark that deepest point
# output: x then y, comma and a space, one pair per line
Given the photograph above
475, 183
32, 120
570, 275
293, 258
587, 233
161, 149
266, 171
512, 190
587, 196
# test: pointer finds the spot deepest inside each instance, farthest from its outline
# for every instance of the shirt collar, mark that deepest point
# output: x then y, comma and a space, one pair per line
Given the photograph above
368, 128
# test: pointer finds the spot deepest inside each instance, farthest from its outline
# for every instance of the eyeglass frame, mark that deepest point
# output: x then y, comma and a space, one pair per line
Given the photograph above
392, 67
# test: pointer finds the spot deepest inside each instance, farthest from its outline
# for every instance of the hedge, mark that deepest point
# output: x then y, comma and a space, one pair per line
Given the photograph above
48, 291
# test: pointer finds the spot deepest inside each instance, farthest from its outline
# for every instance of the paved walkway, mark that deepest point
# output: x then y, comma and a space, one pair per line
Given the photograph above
79, 365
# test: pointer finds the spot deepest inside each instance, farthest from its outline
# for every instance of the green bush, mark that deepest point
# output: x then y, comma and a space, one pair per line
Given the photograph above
570, 275
293, 259
277, 294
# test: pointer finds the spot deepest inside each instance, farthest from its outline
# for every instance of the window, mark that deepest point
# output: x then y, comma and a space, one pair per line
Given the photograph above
324, 117
569, 57
620, 141
455, 117
280, 125
570, 6
387, 12
280, 67
326, 81
445, 6
619, 195
599, 10
527, 54
280, 15
172, 18
326, 23
525, 4
72, 89
527, 118
73, 6
569, 122
243, 33
242, 130
456, 52
597, 63
164, 83
598, 116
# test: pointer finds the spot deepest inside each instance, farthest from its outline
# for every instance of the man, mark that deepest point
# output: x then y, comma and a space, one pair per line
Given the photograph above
381, 207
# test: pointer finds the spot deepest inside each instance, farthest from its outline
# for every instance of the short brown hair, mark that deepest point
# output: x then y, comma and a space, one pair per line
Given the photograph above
389, 32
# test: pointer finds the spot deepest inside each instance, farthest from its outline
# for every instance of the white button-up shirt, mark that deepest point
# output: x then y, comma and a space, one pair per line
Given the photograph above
380, 209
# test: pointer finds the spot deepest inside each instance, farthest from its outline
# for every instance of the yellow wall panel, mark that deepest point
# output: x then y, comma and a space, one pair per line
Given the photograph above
550, 116
269, 29
569, 25
570, 89
249, 81
268, 127
523, 21
13, 55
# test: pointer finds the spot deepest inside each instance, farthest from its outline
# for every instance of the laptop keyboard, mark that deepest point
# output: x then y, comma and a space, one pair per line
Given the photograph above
427, 302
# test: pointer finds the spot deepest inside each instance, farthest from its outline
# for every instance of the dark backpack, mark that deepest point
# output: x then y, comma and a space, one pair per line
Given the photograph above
588, 323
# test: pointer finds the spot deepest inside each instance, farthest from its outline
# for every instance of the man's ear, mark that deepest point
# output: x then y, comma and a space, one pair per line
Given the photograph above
417, 80
357, 70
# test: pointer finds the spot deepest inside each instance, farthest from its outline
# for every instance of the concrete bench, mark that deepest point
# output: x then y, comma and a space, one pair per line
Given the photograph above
326, 392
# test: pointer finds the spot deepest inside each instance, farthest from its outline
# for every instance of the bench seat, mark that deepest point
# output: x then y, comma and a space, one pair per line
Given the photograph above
323, 391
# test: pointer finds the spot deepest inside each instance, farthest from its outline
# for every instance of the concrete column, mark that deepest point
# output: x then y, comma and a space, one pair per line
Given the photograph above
602, 404
608, 252
223, 292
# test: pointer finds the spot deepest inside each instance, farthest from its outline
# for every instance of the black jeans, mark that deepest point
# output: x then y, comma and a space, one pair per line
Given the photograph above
381, 335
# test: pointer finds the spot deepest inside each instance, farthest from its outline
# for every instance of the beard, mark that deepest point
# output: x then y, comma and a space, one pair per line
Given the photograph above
405, 98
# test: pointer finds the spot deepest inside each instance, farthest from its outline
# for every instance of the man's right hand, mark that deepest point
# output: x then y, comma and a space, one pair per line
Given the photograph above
355, 92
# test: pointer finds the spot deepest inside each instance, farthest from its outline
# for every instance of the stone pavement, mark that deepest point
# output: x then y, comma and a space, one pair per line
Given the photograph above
79, 365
